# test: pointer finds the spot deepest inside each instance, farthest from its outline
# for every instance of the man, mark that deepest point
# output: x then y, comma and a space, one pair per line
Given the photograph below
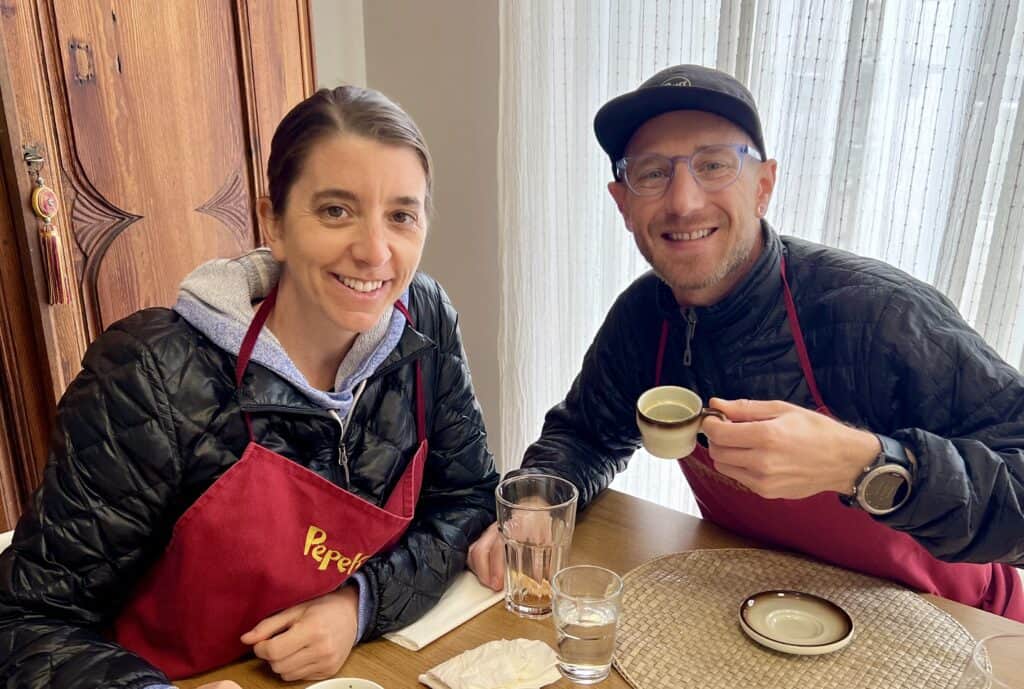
868, 424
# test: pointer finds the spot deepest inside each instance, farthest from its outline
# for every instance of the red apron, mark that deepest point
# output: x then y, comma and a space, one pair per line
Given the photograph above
267, 535
823, 527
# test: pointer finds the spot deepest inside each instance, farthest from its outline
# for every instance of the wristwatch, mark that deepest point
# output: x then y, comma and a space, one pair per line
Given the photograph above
886, 484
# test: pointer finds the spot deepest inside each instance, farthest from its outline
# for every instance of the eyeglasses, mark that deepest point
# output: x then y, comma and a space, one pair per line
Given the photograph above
713, 167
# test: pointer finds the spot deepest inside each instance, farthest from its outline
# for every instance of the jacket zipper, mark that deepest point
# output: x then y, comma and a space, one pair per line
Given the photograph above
342, 427
691, 327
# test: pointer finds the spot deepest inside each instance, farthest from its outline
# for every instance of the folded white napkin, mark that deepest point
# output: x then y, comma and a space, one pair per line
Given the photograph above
464, 600
501, 664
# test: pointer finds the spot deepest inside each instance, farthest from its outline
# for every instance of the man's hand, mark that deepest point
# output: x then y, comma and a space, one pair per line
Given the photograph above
780, 450
310, 640
220, 684
487, 558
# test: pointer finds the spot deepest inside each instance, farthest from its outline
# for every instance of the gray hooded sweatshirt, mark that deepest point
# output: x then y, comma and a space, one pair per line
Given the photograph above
220, 298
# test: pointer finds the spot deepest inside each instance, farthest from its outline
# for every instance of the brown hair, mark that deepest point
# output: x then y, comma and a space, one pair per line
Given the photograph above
330, 112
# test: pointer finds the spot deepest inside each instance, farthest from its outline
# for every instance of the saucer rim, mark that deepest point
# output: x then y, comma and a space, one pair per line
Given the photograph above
343, 679
793, 647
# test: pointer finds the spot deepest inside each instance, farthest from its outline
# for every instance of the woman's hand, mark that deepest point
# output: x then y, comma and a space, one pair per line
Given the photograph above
310, 640
487, 553
220, 684
487, 558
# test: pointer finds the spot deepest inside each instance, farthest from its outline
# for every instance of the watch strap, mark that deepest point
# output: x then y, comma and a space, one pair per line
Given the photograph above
892, 452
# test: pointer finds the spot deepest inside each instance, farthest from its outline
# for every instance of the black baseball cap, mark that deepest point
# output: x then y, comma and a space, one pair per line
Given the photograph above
683, 87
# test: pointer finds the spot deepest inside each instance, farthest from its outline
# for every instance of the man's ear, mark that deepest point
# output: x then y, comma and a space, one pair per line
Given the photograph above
270, 227
766, 182
619, 193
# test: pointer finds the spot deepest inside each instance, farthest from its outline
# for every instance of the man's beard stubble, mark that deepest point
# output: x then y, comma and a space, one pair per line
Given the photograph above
736, 259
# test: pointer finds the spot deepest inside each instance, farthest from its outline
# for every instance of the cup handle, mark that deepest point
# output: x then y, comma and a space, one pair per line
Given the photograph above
708, 411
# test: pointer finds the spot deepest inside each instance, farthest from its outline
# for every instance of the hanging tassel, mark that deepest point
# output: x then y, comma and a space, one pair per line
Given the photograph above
45, 205
49, 241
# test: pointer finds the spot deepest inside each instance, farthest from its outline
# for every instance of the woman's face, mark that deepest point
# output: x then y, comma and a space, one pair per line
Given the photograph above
352, 233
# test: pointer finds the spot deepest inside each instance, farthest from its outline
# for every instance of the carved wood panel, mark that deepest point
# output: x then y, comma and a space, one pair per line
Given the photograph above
155, 119
23, 439
231, 206
36, 342
157, 126
273, 33
31, 120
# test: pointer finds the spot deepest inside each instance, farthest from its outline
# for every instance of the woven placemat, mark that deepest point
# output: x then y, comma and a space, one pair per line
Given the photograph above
680, 627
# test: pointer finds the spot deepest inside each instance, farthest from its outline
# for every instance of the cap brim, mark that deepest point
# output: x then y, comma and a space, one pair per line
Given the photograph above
618, 120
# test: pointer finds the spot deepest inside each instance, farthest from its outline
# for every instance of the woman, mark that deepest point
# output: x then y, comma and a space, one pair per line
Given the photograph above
241, 473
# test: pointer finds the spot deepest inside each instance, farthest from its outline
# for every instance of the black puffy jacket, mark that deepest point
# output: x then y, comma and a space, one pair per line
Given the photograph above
154, 419
889, 353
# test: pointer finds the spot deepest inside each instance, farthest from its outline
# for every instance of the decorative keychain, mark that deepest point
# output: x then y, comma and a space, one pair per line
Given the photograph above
45, 205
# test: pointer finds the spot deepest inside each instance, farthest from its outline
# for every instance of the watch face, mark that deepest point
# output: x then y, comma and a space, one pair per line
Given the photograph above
885, 489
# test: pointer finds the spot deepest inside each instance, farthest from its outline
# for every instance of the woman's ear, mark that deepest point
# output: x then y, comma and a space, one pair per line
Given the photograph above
270, 227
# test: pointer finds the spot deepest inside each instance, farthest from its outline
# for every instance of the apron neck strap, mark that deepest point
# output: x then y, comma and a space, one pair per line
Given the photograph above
253, 333
249, 343
798, 338
661, 352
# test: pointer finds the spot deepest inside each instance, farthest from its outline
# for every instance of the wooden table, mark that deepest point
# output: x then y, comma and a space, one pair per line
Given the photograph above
617, 531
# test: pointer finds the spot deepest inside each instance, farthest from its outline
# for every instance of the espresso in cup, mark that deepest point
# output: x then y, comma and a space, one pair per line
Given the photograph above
669, 418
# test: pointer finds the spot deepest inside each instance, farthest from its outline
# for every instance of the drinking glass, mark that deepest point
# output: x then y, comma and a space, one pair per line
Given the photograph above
536, 517
586, 613
995, 663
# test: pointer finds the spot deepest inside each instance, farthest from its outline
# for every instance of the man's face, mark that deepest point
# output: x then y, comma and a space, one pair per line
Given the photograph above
700, 243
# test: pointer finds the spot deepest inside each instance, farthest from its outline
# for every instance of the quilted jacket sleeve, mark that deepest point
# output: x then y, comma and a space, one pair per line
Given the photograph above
960, 408
457, 498
589, 437
88, 533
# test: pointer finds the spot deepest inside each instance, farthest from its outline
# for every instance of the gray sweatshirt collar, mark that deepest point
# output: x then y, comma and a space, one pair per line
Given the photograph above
219, 299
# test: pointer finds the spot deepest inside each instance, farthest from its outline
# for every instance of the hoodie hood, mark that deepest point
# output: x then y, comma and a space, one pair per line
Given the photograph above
220, 298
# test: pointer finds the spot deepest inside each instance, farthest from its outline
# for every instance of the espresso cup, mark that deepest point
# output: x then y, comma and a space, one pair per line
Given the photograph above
669, 418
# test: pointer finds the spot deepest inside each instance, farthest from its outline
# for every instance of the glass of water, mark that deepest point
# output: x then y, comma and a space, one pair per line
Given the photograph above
536, 518
586, 612
995, 663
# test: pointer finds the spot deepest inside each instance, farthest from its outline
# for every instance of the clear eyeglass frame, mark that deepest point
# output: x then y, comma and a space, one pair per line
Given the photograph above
713, 168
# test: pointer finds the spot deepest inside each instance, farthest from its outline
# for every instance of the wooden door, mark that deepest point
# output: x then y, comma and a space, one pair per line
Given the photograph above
154, 120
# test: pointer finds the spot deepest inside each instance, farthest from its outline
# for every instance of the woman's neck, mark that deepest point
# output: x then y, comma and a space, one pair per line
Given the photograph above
314, 344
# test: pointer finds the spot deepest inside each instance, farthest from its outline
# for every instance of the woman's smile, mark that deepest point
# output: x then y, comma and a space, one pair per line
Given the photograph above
362, 289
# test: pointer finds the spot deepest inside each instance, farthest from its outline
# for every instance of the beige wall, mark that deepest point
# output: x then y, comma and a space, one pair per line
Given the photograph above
439, 60
339, 49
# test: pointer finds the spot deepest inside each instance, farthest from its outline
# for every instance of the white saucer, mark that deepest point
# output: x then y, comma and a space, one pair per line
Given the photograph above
795, 622
345, 683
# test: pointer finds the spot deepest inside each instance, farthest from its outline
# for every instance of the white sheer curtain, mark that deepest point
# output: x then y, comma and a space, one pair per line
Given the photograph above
898, 126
